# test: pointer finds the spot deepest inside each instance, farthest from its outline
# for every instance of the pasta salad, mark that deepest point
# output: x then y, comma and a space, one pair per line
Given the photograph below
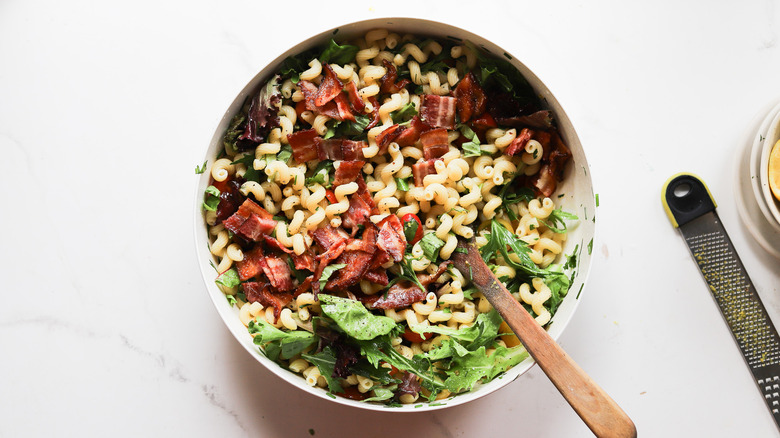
339, 196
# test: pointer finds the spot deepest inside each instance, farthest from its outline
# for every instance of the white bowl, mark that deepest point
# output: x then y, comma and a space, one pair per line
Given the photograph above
577, 190
772, 204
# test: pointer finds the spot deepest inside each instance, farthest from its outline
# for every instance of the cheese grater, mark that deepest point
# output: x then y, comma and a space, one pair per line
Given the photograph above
691, 208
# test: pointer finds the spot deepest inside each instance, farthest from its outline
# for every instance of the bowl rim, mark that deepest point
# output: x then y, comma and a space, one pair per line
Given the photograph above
768, 126
567, 131
772, 139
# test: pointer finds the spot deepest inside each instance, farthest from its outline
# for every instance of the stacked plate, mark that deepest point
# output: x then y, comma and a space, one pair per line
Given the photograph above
758, 208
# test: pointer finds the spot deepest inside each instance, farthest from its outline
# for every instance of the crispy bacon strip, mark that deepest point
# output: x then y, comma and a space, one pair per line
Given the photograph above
518, 144
546, 180
355, 101
257, 292
401, 294
304, 145
352, 150
391, 238
427, 279
471, 98
438, 111
342, 105
412, 132
357, 262
378, 276
304, 261
329, 88
278, 273
251, 265
389, 84
375, 113
309, 91
329, 149
388, 136
275, 244
422, 169
250, 221
347, 172
361, 207
434, 143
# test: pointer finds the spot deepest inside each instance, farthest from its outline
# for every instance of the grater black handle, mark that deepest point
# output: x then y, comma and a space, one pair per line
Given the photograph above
686, 197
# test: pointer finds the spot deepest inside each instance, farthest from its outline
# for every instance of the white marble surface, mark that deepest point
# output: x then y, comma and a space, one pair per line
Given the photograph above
105, 109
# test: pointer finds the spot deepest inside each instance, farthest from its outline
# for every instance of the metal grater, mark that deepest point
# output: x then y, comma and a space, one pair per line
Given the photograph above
691, 208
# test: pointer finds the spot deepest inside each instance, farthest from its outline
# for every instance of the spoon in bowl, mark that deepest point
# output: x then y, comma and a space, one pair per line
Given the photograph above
599, 412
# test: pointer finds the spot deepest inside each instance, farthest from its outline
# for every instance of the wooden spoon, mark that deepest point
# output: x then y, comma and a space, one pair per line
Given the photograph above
602, 415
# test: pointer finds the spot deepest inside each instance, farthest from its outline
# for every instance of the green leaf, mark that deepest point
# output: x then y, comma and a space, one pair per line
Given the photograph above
348, 129
503, 242
248, 160
283, 344
380, 349
211, 198
379, 374
321, 174
354, 319
482, 332
511, 194
431, 245
410, 230
470, 148
336, 54
559, 285
326, 362
469, 367
404, 114
200, 169
327, 272
381, 394
402, 184
284, 154
228, 278
556, 220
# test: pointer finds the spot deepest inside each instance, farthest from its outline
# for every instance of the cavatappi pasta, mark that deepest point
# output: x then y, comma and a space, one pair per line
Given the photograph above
341, 193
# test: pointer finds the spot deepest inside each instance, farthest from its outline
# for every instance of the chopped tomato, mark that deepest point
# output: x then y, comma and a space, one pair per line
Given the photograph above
410, 217
411, 336
331, 196
351, 392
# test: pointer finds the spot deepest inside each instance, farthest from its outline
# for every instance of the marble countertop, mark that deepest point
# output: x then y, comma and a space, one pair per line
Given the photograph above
106, 108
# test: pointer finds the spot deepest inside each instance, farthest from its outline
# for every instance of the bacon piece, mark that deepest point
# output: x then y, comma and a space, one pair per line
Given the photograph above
357, 262
402, 294
352, 150
361, 207
391, 237
332, 241
411, 132
389, 84
558, 157
342, 105
329, 88
434, 143
305, 286
250, 221
438, 111
257, 292
230, 198
304, 262
374, 113
278, 273
328, 236
387, 136
518, 144
422, 169
427, 279
546, 180
471, 98
309, 91
355, 101
347, 172
380, 258
304, 145
251, 265
378, 276
329, 149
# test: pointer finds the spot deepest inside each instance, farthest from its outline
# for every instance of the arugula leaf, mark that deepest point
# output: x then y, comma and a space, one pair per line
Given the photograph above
326, 362
211, 198
248, 160
559, 285
284, 154
283, 344
469, 367
236, 128
510, 195
354, 319
481, 333
501, 72
200, 169
499, 239
321, 174
293, 65
556, 220
350, 129
231, 299
431, 245
380, 374
407, 272
327, 272
404, 114
380, 349
336, 54
471, 148
228, 278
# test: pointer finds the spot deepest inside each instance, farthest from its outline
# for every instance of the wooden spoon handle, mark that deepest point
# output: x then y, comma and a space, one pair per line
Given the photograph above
602, 415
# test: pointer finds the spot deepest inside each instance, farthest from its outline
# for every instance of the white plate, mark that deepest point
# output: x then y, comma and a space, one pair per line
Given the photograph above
745, 188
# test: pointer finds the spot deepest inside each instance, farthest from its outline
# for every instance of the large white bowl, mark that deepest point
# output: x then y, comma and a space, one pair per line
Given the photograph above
577, 197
